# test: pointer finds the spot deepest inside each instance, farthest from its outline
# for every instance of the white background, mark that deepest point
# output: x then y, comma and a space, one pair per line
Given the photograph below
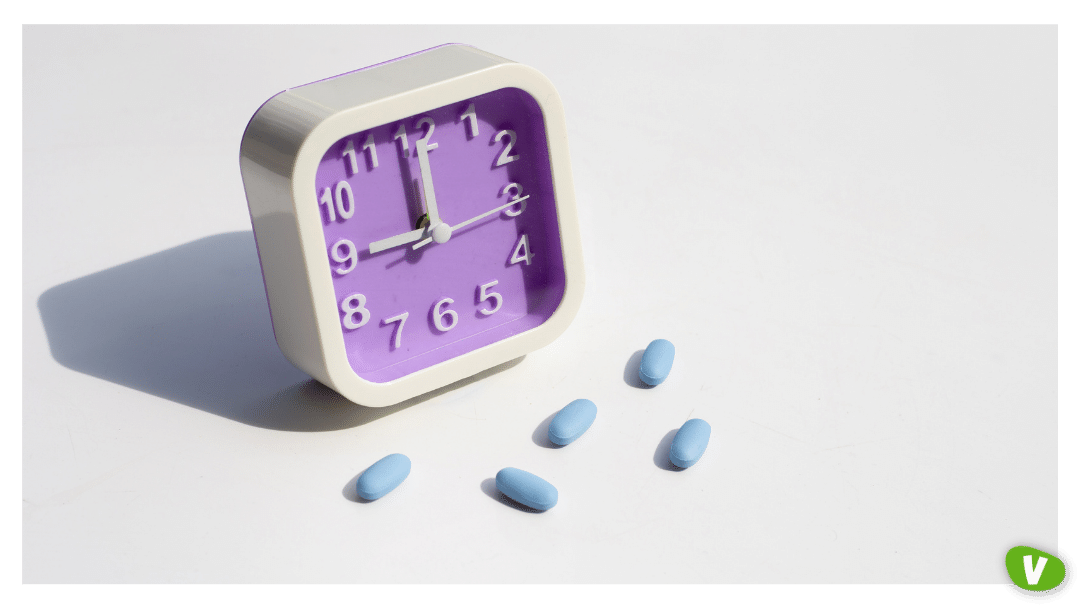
848, 233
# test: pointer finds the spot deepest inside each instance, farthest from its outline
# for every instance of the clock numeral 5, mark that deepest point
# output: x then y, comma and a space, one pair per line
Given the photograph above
343, 200
484, 294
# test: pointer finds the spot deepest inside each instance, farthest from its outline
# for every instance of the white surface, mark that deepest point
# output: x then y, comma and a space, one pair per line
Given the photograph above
850, 239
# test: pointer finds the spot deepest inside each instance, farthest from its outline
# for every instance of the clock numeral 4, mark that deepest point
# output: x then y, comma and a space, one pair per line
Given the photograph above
342, 200
354, 305
505, 156
521, 252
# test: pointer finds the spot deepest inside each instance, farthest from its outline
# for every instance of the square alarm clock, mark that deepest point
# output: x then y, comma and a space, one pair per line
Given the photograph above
415, 221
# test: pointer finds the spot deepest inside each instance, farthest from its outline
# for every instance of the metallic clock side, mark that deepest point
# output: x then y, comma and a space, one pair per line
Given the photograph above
280, 152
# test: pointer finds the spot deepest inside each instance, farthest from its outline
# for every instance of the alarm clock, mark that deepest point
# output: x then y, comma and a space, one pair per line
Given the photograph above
415, 221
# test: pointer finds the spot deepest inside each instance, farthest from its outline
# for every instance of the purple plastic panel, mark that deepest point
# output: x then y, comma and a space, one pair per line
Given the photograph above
467, 182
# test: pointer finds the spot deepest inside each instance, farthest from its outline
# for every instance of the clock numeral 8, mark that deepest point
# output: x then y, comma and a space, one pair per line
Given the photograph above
354, 305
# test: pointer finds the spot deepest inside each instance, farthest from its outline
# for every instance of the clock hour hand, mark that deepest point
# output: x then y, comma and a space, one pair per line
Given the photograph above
395, 241
475, 219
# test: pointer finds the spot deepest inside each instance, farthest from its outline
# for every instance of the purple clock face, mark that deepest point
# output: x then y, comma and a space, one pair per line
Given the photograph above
441, 233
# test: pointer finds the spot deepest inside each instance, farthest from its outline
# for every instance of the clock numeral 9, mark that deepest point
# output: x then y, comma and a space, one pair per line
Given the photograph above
348, 258
343, 200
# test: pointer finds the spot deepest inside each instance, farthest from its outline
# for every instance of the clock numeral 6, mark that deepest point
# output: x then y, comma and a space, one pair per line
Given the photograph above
342, 199
354, 305
437, 315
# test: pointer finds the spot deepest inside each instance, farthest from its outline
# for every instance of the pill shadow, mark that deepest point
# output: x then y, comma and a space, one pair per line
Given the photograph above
191, 325
349, 491
662, 456
630, 372
488, 487
540, 435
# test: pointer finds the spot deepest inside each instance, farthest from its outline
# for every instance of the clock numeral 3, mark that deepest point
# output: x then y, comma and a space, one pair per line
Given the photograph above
354, 305
518, 192
505, 157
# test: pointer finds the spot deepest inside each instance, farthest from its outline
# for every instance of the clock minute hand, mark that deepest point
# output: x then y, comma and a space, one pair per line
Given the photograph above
429, 187
395, 241
475, 219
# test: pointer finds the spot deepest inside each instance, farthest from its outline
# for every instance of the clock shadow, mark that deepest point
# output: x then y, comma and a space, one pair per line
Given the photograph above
191, 325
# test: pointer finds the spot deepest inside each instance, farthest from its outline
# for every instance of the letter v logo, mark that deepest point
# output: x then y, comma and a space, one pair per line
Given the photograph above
1034, 570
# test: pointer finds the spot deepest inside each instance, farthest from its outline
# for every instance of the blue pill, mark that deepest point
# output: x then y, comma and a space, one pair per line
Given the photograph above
383, 476
656, 362
690, 442
527, 489
572, 421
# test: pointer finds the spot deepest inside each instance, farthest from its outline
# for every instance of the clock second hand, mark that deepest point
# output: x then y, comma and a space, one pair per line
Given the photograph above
453, 229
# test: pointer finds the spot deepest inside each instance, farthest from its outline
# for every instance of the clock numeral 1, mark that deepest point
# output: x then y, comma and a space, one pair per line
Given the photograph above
400, 320
350, 153
437, 315
521, 252
505, 157
354, 305
469, 118
369, 147
403, 141
342, 199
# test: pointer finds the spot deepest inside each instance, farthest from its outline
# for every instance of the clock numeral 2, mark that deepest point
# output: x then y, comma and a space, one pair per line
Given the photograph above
505, 156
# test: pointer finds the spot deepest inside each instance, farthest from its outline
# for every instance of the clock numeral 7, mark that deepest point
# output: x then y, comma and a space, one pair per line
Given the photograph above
400, 320
343, 200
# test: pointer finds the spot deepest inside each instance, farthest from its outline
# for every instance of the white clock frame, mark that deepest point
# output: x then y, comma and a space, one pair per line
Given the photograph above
279, 154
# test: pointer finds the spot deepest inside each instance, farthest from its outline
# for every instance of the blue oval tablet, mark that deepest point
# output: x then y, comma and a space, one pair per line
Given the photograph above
690, 442
525, 488
383, 476
572, 421
656, 362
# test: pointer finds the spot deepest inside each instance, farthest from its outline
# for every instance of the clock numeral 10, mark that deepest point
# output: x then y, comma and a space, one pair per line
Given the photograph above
342, 200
